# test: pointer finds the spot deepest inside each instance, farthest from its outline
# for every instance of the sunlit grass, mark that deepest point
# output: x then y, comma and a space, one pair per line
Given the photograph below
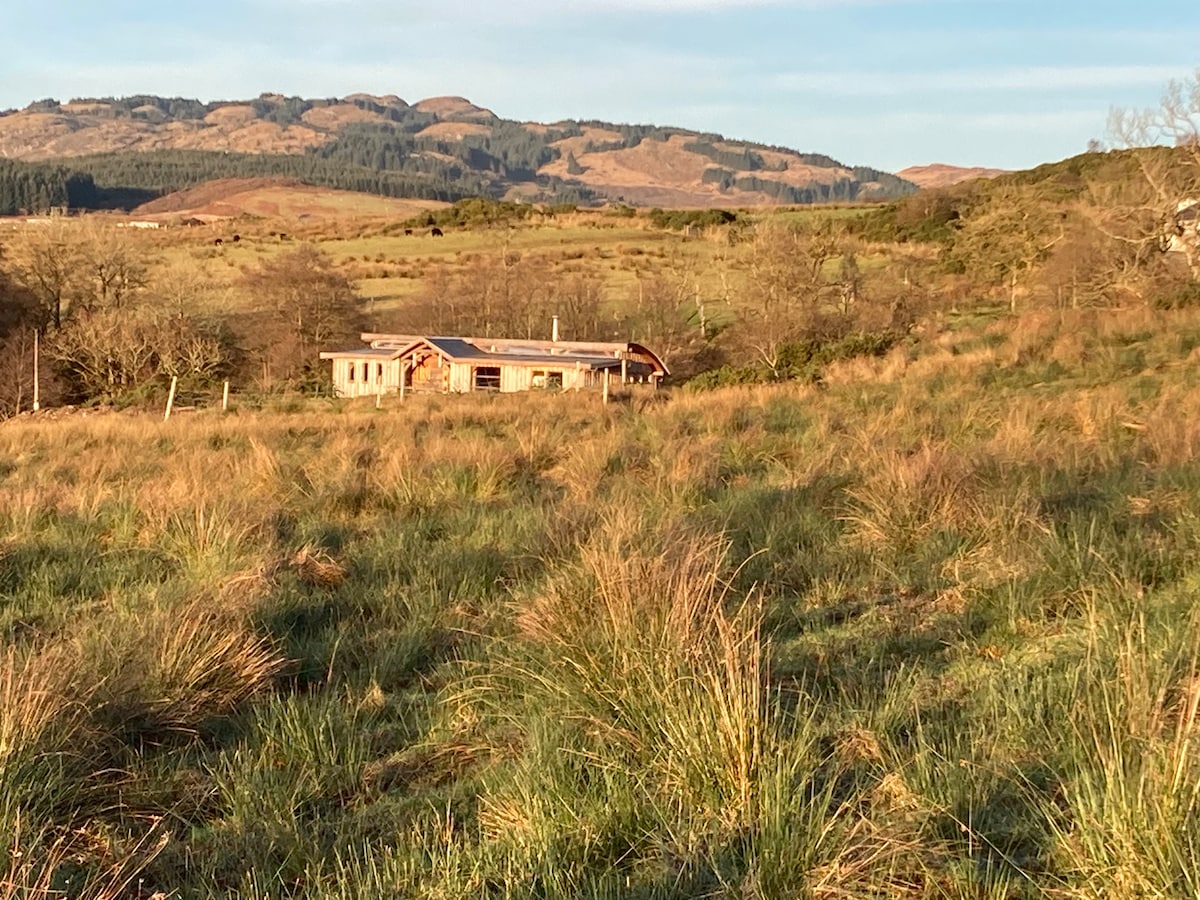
927, 630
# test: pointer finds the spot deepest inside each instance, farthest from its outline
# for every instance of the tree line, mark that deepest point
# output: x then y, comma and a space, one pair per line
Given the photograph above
118, 325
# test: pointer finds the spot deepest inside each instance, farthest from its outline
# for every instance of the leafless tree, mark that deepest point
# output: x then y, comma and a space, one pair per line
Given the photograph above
1164, 142
788, 293
45, 259
1006, 238
308, 305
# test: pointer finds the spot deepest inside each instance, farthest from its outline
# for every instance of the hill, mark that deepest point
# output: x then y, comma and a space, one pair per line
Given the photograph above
121, 152
937, 175
281, 198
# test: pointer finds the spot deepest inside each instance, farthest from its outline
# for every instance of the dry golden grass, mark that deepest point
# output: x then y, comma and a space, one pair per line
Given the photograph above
964, 568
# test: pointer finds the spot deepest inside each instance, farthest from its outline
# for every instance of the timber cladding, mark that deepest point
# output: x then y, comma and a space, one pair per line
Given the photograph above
401, 363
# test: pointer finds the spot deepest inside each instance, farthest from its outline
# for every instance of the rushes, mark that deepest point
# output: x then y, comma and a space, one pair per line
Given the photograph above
183, 669
1132, 797
39, 723
71, 711
317, 568
960, 663
636, 671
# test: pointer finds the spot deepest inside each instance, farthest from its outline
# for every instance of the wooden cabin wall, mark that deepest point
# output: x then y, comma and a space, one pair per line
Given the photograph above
515, 378
460, 378
429, 374
575, 379
433, 373
343, 386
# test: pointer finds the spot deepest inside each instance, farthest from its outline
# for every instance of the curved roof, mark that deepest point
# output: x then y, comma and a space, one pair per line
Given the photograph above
655, 358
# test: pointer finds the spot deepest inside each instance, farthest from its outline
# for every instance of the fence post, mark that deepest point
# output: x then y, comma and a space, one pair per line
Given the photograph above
36, 386
171, 397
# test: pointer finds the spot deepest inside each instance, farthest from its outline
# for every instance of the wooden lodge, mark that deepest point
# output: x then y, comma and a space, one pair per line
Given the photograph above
402, 363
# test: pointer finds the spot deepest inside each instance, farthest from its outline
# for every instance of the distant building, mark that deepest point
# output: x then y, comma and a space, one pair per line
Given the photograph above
461, 365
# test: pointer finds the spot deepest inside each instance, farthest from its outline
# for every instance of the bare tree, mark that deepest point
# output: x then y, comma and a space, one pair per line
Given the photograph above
667, 317
113, 266
20, 316
1008, 237
107, 353
788, 294
308, 305
1165, 145
46, 261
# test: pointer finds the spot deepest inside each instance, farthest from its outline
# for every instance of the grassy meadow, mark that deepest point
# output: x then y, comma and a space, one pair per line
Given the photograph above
925, 630
390, 268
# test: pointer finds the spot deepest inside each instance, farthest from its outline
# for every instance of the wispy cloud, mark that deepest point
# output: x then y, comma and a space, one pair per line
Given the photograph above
862, 83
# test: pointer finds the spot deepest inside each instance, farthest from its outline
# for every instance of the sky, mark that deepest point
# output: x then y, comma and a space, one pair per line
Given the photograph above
883, 83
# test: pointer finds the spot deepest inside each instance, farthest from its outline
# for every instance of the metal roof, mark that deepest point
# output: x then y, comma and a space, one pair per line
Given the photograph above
504, 351
463, 350
362, 352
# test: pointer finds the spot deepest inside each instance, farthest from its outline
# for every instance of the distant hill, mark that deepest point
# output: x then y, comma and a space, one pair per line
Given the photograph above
275, 198
121, 152
936, 175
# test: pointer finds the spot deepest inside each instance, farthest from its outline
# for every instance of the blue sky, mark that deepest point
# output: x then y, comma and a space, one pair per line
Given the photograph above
886, 83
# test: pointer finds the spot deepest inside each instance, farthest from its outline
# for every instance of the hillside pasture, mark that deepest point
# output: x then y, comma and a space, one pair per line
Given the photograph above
925, 631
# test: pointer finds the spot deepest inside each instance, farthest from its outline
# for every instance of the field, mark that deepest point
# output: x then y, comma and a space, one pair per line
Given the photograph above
389, 267
925, 630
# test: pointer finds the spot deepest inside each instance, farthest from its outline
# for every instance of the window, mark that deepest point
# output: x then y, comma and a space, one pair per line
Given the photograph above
366, 373
350, 369
379, 371
547, 380
487, 378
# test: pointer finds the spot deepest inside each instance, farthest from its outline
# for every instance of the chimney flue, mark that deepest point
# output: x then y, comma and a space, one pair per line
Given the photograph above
554, 329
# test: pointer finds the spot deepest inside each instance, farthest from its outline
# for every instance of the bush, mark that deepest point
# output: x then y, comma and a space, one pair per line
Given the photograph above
681, 219
1184, 296
801, 361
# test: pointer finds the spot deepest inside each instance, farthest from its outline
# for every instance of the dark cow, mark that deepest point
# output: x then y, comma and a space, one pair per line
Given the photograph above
218, 242
236, 238
408, 231
436, 232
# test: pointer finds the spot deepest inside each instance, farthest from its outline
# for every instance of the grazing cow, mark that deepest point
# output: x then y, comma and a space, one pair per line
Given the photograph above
218, 242
236, 238
436, 232
408, 231
282, 236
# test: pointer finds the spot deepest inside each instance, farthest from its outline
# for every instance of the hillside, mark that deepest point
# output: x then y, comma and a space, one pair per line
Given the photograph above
936, 175
443, 148
280, 198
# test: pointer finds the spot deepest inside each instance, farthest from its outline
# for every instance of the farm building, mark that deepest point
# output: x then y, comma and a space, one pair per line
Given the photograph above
400, 363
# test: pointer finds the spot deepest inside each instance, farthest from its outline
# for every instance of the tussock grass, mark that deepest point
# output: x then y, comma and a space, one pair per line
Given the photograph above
1132, 799
645, 656
924, 631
